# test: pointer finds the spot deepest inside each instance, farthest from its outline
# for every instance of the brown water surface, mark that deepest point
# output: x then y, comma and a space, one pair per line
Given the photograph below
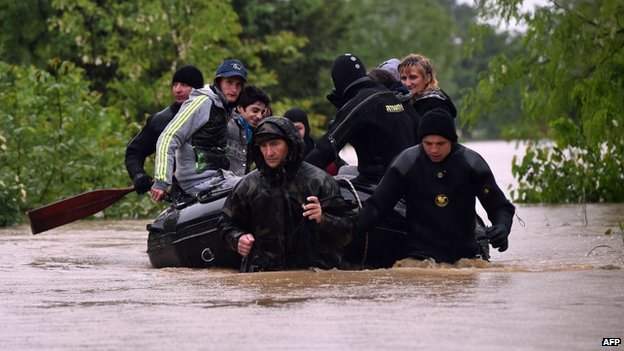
89, 285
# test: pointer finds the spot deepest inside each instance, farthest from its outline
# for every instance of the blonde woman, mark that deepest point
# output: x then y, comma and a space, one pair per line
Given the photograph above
418, 75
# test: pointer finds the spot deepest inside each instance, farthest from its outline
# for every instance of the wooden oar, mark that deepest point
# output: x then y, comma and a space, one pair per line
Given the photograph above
73, 208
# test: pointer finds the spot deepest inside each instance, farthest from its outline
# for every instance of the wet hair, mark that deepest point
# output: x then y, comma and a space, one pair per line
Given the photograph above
251, 95
268, 111
425, 66
382, 77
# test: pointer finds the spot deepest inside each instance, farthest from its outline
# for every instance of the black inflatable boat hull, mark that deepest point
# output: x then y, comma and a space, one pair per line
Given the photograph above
187, 236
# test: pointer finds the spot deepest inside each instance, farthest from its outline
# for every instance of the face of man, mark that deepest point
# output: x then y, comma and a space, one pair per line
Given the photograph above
180, 91
231, 87
300, 127
274, 152
252, 114
414, 79
436, 147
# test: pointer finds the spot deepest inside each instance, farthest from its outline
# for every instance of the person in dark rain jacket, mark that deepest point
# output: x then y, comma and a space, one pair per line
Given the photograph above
286, 214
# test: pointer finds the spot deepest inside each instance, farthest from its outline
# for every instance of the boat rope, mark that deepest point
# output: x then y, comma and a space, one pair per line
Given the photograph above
359, 203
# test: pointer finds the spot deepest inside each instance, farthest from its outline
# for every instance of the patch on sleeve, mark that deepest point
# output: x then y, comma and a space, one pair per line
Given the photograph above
394, 108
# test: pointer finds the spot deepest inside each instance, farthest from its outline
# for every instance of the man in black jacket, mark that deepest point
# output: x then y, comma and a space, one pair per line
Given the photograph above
144, 144
370, 118
439, 180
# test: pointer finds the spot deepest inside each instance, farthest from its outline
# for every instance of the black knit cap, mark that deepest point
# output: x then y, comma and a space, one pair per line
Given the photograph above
298, 115
346, 69
437, 122
190, 76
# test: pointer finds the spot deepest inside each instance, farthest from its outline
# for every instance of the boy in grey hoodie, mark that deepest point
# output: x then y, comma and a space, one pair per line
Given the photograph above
196, 138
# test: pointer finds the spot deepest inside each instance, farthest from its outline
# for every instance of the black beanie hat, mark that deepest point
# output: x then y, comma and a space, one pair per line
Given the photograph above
437, 122
346, 69
298, 115
190, 76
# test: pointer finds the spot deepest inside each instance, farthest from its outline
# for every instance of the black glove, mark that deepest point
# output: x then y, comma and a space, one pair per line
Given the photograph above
334, 98
497, 234
142, 183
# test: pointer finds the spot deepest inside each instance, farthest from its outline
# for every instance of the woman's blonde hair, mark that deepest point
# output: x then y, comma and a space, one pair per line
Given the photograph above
425, 66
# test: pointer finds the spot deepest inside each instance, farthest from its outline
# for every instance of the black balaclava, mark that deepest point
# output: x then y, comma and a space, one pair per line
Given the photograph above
299, 115
346, 70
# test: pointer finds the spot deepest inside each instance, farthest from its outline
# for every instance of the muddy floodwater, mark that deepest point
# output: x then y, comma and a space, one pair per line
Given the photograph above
89, 286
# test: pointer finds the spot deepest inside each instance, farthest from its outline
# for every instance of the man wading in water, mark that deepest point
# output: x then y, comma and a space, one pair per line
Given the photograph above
440, 180
286, 214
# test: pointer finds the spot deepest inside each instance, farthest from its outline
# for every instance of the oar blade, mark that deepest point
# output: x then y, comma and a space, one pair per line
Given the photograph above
68, 210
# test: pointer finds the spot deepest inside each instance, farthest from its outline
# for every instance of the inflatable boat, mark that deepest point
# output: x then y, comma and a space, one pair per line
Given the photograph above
186, 234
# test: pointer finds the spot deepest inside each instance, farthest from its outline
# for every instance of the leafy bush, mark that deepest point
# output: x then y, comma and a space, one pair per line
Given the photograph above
571, 100
62, 142
12, 196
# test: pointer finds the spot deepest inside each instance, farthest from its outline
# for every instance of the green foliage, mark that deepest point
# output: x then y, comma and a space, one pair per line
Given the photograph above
25, 38
61, 139
570, 80
12, 192
302, 75
397, 28
127, 46
130, 49
317, 23
97, 71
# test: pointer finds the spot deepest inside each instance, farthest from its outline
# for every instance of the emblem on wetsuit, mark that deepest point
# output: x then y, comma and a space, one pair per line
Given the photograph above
441, 200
